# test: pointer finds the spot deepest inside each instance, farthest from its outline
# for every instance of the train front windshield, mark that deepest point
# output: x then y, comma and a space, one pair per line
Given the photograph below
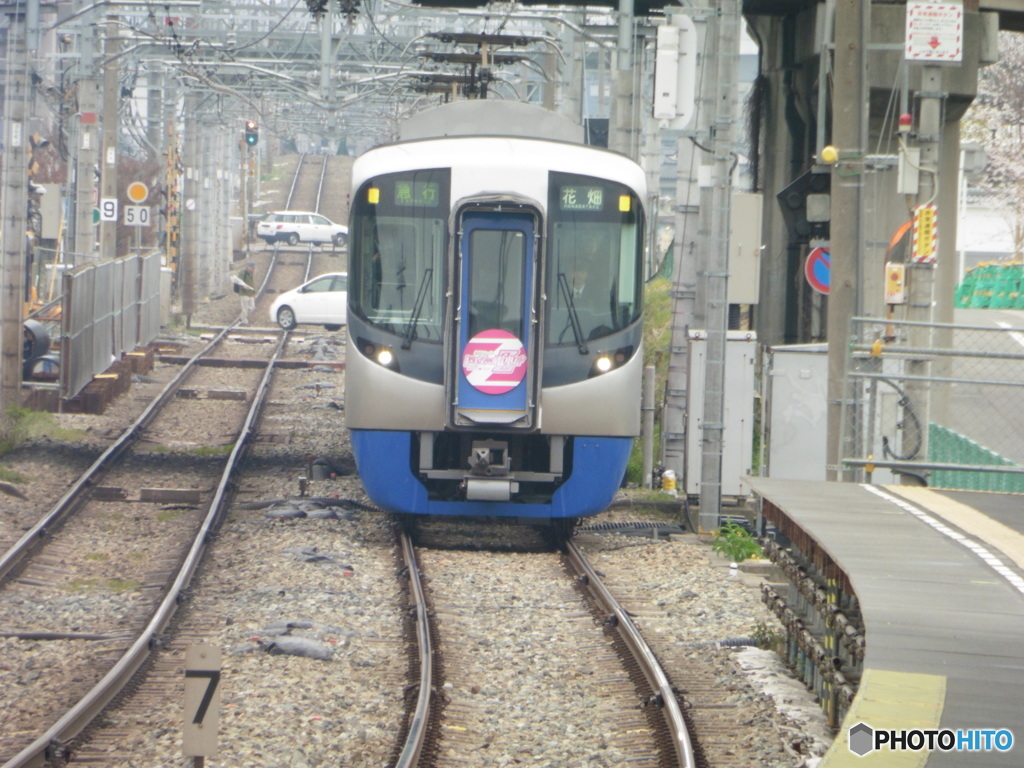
397, 253
594, 258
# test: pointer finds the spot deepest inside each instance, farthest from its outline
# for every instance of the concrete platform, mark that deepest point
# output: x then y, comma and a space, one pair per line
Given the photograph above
941, 590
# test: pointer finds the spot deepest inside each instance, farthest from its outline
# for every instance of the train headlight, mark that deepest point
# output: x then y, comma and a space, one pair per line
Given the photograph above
609, 361
383, 356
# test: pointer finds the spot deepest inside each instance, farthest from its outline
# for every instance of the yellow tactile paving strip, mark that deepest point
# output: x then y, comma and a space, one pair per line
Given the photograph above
968, 519
893, 701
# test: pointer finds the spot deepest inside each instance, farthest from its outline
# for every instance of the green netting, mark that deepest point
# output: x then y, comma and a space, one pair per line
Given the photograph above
949, 447
993, 286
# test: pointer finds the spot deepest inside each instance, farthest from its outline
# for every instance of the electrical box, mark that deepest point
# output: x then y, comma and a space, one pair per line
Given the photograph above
675, 71
794, 418
666, 73
738, 411
895, 283
50, 206
908, 175
745, 248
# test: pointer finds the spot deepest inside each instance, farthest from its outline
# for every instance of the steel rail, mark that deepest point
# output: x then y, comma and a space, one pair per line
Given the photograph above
320, 185
643, 654
13, 556
93, 703
419, 726
295, 183
277, 245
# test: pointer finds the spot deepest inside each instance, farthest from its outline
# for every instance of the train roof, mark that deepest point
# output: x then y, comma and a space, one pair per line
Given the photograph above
506, 149
491, 118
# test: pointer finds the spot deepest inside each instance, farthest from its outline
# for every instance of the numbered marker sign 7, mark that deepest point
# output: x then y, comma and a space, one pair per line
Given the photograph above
202, 700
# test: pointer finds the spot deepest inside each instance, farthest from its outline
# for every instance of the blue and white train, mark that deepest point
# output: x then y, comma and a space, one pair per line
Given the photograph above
494, 322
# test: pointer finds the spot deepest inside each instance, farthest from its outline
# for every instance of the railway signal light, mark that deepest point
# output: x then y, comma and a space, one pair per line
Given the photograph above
252, 133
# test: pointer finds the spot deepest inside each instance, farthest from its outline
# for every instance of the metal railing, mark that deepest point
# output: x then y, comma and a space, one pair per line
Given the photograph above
940, 402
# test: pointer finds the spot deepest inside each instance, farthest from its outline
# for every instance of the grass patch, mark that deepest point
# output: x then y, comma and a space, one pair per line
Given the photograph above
21, 424
169, 515
767, 637
199, 450
213, 450
115, 585
735, 542
96, 557
10, 476
122, 585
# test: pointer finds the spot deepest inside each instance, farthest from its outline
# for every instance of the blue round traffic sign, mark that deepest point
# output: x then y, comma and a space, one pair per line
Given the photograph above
817, 270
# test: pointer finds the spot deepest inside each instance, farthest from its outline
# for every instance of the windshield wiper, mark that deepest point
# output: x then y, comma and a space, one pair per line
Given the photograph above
574, 319
421, 296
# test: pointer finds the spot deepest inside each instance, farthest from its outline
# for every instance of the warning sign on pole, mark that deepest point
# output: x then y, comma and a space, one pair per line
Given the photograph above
926, 234
935, 31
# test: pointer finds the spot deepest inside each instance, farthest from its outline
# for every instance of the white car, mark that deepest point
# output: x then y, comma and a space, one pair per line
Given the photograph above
321, 301
294, 227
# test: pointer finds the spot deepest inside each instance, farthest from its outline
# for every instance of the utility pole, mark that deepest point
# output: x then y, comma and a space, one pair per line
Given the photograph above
921, 274
111, 121
328, 87
87, 149
205, 210
14, 210
717, 276
689, 233
620, 133
189, 215
849, 135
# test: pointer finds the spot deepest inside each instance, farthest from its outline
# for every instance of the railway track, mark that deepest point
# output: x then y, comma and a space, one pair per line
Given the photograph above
527, 670
727, 721
158, 497
322, 580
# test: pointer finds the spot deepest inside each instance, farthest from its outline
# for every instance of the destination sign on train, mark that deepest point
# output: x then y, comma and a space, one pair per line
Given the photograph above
581, 198
425, 193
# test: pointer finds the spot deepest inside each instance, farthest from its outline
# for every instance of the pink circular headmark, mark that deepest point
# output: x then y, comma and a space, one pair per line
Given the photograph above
494, 362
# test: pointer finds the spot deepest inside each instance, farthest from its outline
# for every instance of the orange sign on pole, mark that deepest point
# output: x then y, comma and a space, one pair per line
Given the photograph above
138, 192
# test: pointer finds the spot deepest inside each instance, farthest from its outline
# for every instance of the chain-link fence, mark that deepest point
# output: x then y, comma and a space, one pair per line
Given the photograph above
943, 403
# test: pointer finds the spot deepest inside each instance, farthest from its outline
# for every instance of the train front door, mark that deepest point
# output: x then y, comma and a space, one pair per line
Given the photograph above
493, 374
